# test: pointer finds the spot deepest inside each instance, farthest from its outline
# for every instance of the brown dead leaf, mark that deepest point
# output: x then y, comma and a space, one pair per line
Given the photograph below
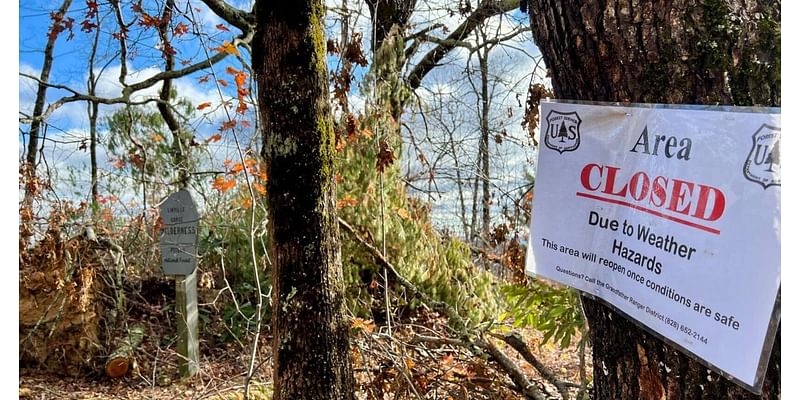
385, 156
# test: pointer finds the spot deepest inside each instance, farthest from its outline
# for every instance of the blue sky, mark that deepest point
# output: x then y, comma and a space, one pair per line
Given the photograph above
69, 124
449, 82
71, 56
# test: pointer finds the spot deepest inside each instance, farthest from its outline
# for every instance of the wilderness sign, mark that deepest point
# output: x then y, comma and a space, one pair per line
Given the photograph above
179, 234
670, 214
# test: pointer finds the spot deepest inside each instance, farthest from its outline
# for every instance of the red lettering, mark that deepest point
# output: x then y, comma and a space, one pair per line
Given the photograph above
678, 196
610, 179
645, 187
585, 176
659, 191
702, 203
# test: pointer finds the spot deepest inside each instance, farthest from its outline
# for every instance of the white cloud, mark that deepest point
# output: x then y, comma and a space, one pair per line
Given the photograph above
27, 88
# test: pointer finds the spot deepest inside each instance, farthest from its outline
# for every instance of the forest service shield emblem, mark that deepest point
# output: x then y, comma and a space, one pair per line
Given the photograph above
563, 131
763, 164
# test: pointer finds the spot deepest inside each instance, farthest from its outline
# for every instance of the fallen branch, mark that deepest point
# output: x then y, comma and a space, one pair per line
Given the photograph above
380, 258
523, 385
516, 375
515, 341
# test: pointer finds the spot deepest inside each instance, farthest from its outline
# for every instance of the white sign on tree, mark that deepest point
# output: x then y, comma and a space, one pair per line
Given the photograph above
179, 234
672, 216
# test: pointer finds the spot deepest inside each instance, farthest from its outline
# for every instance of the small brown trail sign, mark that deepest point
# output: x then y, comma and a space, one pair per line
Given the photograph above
179, 258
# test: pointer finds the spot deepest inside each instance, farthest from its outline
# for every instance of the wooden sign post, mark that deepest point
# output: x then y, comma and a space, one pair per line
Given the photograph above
179, 258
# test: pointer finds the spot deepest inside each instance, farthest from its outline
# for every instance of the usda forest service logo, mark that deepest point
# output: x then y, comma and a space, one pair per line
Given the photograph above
763, 164
563, 131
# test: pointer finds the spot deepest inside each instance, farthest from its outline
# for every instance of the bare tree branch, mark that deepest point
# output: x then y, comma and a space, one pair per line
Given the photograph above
129, 90
486, 9
243, 20
38, 107
470, 46
123, 46
517, 376
242, 40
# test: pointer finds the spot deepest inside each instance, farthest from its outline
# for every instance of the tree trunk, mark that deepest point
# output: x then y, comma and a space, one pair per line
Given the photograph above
713, 52
390, 19
483, 58
38, 108
311, 350
180, 142
93, 108
474, 234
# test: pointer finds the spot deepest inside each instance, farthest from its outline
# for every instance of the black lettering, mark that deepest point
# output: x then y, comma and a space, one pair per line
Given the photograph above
573, 132
671, 143
643, 141
686, 148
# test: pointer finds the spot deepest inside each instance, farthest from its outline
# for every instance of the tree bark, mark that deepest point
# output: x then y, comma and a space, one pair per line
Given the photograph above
686, 51
388, 15
311, 350
390, 19
712, 52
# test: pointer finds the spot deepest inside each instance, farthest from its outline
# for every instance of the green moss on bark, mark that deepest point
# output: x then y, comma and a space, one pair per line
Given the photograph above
757, 79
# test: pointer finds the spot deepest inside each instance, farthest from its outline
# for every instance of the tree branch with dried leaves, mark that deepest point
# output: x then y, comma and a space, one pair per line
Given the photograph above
475, 342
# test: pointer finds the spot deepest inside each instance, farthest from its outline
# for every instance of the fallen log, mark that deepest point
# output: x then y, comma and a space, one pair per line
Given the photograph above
123, 357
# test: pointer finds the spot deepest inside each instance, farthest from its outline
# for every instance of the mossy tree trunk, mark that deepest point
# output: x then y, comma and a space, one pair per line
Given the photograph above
711, 52
311, 353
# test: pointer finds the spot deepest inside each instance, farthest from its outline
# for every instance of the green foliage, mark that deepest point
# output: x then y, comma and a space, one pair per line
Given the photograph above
442, 268
138, 139
555, 311
240, 322
389, 59
225, 242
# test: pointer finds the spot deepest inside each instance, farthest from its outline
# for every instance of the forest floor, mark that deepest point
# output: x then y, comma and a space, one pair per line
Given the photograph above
418, 357
452, 374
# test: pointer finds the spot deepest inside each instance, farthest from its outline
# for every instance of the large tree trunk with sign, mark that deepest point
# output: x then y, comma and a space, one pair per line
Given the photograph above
713, 52
311, 353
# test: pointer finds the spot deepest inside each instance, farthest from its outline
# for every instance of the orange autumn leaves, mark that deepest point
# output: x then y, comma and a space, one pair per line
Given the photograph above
242, 91
228, 181
351, 132
223, 184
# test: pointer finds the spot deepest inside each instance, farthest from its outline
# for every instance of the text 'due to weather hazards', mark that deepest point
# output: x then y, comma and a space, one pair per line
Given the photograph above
671, 215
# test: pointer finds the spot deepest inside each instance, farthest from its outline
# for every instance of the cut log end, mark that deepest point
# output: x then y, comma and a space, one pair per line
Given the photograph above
123, 358
118, 367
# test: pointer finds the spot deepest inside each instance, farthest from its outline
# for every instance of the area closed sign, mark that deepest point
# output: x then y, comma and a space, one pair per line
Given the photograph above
672, 216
